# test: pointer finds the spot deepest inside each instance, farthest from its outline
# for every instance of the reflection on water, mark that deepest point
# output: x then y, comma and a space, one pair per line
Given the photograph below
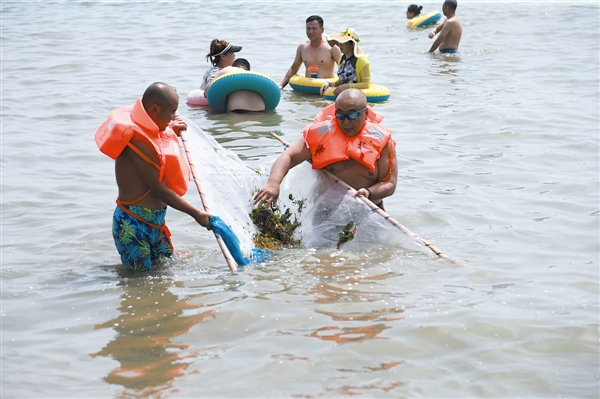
348, 334
345, 292
151, 316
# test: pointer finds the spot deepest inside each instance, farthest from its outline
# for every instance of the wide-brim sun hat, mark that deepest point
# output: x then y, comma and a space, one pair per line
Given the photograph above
348, 34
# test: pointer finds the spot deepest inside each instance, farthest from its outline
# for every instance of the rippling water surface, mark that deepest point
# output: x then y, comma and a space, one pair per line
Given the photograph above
498, 166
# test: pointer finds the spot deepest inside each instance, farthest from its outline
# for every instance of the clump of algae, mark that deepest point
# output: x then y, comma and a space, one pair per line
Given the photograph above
276, 230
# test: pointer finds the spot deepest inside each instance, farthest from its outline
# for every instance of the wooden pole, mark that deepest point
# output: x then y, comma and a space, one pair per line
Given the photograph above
230, 261
380, 211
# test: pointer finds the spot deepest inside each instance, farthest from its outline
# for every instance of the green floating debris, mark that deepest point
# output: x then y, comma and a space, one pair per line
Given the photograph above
347, 233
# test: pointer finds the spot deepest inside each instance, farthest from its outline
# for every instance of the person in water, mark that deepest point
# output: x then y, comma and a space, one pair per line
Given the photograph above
318, 56
450, 30
354, 68
413, 11
347, 140
221, 55
241, 101
151, 173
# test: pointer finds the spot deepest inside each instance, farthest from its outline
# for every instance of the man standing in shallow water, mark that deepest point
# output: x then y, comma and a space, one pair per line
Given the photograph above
318, 56
450, 30
151, 173
347, 140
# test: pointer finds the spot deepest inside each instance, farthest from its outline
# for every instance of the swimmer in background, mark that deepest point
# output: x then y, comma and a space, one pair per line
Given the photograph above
450, 30
354, 68
318, 56
221, 55
413, 11
241, 101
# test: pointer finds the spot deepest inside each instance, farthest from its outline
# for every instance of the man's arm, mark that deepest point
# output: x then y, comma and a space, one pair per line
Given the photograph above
293, 69
292, 156
149, 175
435, 30
336, 53
383, 188
444, 29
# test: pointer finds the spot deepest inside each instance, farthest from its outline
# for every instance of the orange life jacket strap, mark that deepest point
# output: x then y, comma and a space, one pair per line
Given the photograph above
165, 232
144, 156
119, 201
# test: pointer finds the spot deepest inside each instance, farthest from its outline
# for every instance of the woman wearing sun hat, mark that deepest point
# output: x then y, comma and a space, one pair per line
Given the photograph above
221, 55
354, 68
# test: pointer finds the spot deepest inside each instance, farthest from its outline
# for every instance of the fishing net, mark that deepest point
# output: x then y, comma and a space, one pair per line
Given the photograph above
227, 183
322, 206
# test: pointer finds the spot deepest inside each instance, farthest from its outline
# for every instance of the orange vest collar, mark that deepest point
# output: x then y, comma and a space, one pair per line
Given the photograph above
141, 118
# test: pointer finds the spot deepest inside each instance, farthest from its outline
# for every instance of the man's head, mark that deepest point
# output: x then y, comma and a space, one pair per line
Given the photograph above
241, 63
160, 102
449, 6
314, 28
350, 111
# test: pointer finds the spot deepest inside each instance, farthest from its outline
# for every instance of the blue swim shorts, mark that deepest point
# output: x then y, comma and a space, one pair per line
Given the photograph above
448, 51
143, 239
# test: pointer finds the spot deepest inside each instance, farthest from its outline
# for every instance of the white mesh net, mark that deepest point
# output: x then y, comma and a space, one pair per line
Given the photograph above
229, 185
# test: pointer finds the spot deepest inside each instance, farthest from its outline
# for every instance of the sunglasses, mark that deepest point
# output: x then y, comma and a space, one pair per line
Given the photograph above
351, 116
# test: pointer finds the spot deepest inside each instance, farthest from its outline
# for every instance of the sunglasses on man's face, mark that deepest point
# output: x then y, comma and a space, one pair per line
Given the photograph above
351, 116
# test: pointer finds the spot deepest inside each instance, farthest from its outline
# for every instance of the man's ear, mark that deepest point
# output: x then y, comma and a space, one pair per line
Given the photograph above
154, 109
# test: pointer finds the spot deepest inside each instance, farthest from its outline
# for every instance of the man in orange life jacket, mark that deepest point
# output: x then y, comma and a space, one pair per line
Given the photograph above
347, 140
151, 173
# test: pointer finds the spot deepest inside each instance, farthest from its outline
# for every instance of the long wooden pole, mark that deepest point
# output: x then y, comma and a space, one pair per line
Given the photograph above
380, 211
230, 261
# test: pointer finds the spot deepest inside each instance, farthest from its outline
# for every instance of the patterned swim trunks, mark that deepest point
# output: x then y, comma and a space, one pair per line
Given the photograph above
139, 243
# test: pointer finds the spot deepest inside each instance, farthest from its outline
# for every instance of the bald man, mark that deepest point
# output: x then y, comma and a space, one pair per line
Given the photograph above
151, 173
347, 140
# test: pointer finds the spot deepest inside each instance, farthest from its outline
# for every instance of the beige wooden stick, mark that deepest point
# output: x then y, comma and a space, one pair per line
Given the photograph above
380, 211
230, 261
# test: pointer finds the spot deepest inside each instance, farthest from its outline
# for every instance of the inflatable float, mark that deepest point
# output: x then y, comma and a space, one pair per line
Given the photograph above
375, 93
309, 85
424, 20
226, 84
196, 97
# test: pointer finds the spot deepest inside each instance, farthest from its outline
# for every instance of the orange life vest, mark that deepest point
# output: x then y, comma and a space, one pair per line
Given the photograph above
328, 144
129, 122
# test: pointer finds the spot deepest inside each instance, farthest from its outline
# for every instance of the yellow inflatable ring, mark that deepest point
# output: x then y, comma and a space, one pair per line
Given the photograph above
424, 20
375, 93
309, 85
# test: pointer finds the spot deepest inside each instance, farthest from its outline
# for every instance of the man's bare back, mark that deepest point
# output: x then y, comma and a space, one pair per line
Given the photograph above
450, 31
452, 39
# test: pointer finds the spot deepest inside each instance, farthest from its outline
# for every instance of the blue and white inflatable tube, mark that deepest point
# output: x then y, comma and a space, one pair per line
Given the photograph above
224, 85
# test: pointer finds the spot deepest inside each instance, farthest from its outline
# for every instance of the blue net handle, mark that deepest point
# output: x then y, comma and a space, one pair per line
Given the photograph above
233, 243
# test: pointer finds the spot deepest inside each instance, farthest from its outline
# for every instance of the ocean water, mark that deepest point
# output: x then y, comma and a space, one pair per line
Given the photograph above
498, 166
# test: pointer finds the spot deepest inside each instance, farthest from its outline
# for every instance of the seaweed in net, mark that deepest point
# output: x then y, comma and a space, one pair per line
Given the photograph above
347, 233
276, 229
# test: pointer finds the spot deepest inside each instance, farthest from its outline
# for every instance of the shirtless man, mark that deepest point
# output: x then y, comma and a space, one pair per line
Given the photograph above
147, 183
242, 100
370, 168
318, 56
450, 30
